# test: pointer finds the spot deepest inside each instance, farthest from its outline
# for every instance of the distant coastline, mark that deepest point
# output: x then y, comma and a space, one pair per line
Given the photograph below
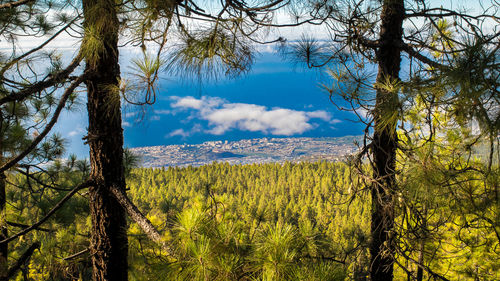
248, 151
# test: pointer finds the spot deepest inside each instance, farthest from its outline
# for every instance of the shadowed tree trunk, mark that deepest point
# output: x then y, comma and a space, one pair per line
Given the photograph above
4, 264
108, 244
385, 142
420, 269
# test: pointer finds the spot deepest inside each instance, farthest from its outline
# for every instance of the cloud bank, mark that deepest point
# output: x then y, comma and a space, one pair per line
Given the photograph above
223, 116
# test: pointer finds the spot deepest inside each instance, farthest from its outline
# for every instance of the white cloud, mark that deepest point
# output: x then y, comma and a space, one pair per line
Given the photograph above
194, 103
320, 114
125, 124
188, 102
223, 116
162, 112
254, 118
362, 112
154, 118
77, 131
183, 133
131, 114
178, 132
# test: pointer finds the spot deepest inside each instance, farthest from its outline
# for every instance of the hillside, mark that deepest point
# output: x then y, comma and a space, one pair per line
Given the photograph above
264, 150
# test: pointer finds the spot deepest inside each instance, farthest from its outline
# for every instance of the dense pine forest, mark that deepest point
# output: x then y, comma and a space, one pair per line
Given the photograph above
418, 201
283, 221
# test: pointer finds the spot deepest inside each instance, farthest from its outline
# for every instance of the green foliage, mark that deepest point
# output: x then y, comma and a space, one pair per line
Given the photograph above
253, 222
143, 81
449, 206
303, 221
31, 196
276, 251
212, 52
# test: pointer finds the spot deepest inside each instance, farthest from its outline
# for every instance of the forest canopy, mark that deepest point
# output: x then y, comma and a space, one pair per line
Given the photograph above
419, 201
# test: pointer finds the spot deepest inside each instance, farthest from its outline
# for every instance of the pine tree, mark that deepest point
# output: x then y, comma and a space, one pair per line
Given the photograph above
222, 46
108, 240
366, 33
30, 104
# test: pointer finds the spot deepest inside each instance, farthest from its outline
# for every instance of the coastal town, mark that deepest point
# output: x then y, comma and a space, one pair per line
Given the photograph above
262, 150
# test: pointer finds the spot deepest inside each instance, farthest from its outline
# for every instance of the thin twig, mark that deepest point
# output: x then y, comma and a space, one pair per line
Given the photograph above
82, 252
62, 103
23, 259
50, 213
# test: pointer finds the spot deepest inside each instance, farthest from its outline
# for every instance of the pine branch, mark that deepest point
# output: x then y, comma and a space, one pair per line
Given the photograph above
321, 258
15, 224
42, 85
50, 39
50, 213
424, 267
442, 12
62, 102
15, 4
414, 53
136, 215
23, 259
75, 255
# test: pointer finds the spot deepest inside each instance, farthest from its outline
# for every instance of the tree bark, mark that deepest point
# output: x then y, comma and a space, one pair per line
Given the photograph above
108, 239
143, 222
422, 238
385, 142
4, 250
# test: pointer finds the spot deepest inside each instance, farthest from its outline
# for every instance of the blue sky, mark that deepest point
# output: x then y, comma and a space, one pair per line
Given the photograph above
275, 99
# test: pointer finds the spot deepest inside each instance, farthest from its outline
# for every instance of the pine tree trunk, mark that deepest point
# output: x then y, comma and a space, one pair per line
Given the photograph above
420, 269
4, 251
385, 143
108, 241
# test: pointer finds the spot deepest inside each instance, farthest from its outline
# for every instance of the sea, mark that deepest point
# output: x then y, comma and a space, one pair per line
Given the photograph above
276, 98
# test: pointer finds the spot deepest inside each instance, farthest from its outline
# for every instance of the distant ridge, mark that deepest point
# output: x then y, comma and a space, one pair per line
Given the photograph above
263, 150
